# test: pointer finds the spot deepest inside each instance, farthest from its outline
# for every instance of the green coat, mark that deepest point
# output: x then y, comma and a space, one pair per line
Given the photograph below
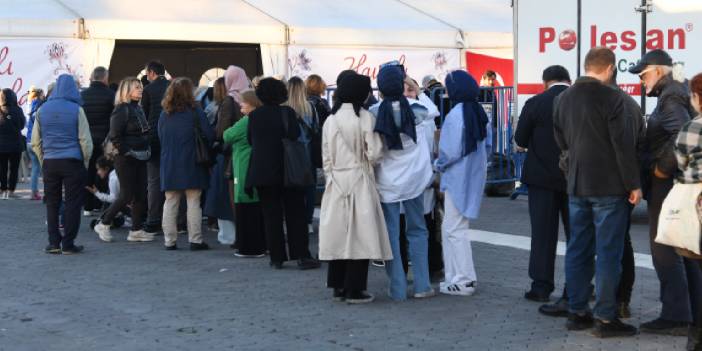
241, 153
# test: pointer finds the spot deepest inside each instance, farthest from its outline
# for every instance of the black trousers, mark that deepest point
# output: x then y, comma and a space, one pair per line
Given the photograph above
628, 277
278, 203
678, 276
250, 236
545, 207
60, 175
132, 190
350, 275
9, 162
436, 259
91, 202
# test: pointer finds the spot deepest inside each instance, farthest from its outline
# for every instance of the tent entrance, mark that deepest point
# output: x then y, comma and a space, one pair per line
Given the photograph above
181, 58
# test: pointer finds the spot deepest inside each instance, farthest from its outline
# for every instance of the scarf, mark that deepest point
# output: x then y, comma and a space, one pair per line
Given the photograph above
391, 85
235, 81
462, 88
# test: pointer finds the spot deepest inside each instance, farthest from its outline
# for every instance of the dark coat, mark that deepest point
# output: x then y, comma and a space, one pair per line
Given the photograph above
592, 126
322, 107
98, 103
228, 114
11, 125
151, 104
129, 129
265, 132
535, 132
672, 111
176, 132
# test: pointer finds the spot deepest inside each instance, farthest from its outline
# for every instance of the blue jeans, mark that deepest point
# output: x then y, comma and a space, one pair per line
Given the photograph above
36, 168
598, 226
417, 236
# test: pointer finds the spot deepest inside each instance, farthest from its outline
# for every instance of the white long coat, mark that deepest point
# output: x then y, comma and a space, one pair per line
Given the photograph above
352, 225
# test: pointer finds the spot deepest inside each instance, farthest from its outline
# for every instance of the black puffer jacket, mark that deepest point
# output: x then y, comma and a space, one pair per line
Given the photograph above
672, 111
12, 122
98, 103
129, 129
151, 105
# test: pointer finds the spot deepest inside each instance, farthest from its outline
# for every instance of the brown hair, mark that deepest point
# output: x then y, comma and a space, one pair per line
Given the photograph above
179, 96
219, 90
598, 59
696, 87
315, 85
249, 96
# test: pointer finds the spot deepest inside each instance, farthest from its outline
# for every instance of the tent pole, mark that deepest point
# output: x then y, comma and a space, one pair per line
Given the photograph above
82, 33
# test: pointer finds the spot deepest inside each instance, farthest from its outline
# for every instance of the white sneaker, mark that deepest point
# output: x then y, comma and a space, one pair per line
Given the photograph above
425, 295
139, 236
87, 213
458, 289
103, 231
4, 195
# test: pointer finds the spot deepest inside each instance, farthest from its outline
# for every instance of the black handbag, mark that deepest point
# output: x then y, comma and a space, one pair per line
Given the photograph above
203, 152
297, 166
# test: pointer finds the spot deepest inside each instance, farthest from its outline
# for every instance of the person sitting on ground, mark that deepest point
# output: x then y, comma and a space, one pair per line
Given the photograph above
105, 170
181, 175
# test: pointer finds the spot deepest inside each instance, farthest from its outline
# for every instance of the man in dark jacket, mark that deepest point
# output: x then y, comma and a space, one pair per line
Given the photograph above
98, 103
62, 142
592, 128
547, 185
672, 111
12, 121
151, 104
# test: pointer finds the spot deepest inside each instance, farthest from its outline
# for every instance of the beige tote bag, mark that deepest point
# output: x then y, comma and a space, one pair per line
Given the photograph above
678, 223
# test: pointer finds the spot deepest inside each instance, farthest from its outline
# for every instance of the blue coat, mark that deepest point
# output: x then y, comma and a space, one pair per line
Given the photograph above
179, 170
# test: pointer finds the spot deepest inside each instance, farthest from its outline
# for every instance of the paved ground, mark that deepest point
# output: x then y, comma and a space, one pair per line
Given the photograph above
124, 296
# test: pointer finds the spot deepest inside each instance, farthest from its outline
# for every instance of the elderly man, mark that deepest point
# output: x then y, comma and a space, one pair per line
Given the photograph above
61, 140
673, 110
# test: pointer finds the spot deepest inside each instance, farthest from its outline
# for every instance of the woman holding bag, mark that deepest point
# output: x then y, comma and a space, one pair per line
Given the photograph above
688, 152
181, 175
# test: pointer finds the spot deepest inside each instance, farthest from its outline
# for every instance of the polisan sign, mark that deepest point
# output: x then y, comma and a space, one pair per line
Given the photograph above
543, 41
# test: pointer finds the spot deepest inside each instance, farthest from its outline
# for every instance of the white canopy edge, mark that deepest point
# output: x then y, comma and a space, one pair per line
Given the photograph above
56, 28
375, 38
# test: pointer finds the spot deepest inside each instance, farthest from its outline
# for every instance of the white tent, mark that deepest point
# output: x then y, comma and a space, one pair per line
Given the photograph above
283, 28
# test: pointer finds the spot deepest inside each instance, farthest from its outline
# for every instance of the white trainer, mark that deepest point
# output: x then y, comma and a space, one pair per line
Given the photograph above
103, 231
458, 289
139, 236
425, 295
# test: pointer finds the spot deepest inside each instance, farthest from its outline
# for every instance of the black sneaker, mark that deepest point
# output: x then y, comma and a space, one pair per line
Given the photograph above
535, 296
614, 328
623, 310
664, 327
199, 246
557, 309
579, 322
75, 249
52, 250
339, 295
308, 263
358, 297
172, 247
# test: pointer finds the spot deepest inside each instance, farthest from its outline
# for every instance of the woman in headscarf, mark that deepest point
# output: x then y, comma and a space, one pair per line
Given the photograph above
12, 122
463, 149
402, 175
351, 228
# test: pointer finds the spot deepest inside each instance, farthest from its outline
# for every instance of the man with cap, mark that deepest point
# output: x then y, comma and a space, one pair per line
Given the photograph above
402, 175
547, 184
673, 110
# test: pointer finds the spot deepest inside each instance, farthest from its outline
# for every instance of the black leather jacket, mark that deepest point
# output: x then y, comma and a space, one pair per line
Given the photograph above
129, 129
672, 111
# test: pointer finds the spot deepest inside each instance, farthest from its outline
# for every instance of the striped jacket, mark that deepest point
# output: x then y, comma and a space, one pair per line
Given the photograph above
688, 152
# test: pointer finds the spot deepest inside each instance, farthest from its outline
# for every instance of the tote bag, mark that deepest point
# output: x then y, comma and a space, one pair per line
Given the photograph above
297, 166
678, 223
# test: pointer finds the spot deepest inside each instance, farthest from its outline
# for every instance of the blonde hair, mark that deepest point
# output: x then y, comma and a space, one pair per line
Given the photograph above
249, 96
297, 97
413, 86
125, 90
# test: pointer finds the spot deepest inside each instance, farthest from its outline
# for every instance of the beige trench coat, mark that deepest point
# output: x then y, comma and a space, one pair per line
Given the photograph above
352, 225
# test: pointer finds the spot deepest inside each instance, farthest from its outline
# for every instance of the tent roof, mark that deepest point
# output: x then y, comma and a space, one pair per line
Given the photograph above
387, 23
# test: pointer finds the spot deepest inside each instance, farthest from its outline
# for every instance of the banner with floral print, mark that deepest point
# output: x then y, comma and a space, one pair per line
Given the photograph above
329, 61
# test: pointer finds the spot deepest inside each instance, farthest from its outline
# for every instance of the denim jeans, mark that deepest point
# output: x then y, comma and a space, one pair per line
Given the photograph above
598, 226
36, 169
417, 236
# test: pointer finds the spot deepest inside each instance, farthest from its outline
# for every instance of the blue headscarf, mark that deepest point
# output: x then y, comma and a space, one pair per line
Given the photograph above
391, 84
462, 88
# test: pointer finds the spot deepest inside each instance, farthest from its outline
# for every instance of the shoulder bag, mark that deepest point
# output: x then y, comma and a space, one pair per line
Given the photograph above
203, 152
297, 166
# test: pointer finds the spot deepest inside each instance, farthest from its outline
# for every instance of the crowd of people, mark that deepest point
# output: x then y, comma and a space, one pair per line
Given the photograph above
591, 158
399, 187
